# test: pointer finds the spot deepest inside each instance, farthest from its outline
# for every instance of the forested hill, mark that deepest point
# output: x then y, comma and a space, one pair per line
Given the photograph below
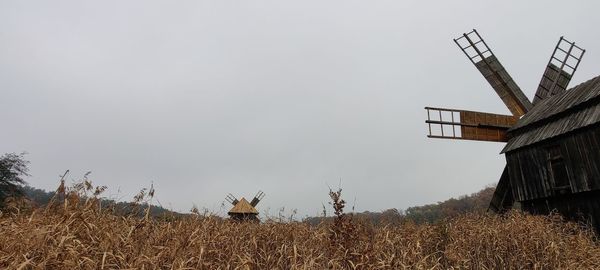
477, 202
430, 213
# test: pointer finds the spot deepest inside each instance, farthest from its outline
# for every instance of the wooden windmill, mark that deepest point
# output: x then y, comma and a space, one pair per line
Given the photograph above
482, 126
242, 209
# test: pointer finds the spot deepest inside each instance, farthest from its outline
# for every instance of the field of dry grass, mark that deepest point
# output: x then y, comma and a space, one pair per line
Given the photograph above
76, 233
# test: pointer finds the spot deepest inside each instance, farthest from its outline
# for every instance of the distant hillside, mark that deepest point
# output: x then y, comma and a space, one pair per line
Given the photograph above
430, 213
41, 197
475, 203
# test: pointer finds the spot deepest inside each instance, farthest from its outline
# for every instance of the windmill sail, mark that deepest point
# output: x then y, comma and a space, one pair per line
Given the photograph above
259, 196
562, 65
231, 199
468, 125
487, 63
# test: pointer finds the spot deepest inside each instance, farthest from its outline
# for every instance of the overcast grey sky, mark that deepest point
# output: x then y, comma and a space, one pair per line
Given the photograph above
204, 98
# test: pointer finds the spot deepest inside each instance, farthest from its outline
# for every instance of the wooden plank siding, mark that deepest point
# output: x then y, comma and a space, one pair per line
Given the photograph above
584, 206
529, 168
528, 173
582, 153
502, 200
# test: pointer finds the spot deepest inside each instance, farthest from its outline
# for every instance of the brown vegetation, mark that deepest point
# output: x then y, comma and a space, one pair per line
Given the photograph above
79, 232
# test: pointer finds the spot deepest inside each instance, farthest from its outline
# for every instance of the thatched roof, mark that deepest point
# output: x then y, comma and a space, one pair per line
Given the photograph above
243, 207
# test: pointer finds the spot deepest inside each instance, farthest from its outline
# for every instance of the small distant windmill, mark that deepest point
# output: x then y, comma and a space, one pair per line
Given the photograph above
481, 126
242, 209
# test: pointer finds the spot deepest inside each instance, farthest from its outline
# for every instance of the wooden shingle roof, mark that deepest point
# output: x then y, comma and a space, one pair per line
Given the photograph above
573, 109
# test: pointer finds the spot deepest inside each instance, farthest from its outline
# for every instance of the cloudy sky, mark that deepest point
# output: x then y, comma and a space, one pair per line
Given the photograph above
204, 98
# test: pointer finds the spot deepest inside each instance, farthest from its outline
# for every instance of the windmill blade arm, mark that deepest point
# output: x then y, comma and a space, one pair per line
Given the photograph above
480, 54
259, 196
560, 69
468, 125
231, 199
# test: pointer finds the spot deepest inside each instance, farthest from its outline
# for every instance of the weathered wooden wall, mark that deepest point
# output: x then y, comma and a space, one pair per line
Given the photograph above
583, 206
582, 153
529, 167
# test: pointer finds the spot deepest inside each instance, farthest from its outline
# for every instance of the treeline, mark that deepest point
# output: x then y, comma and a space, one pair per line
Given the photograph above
40, 198
475, 203
431, 213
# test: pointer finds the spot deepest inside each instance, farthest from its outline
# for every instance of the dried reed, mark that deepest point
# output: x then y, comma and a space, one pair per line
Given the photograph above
76, 232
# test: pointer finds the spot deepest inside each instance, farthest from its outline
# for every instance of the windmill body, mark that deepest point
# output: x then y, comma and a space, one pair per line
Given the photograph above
553, 143
553, 155
243, 210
